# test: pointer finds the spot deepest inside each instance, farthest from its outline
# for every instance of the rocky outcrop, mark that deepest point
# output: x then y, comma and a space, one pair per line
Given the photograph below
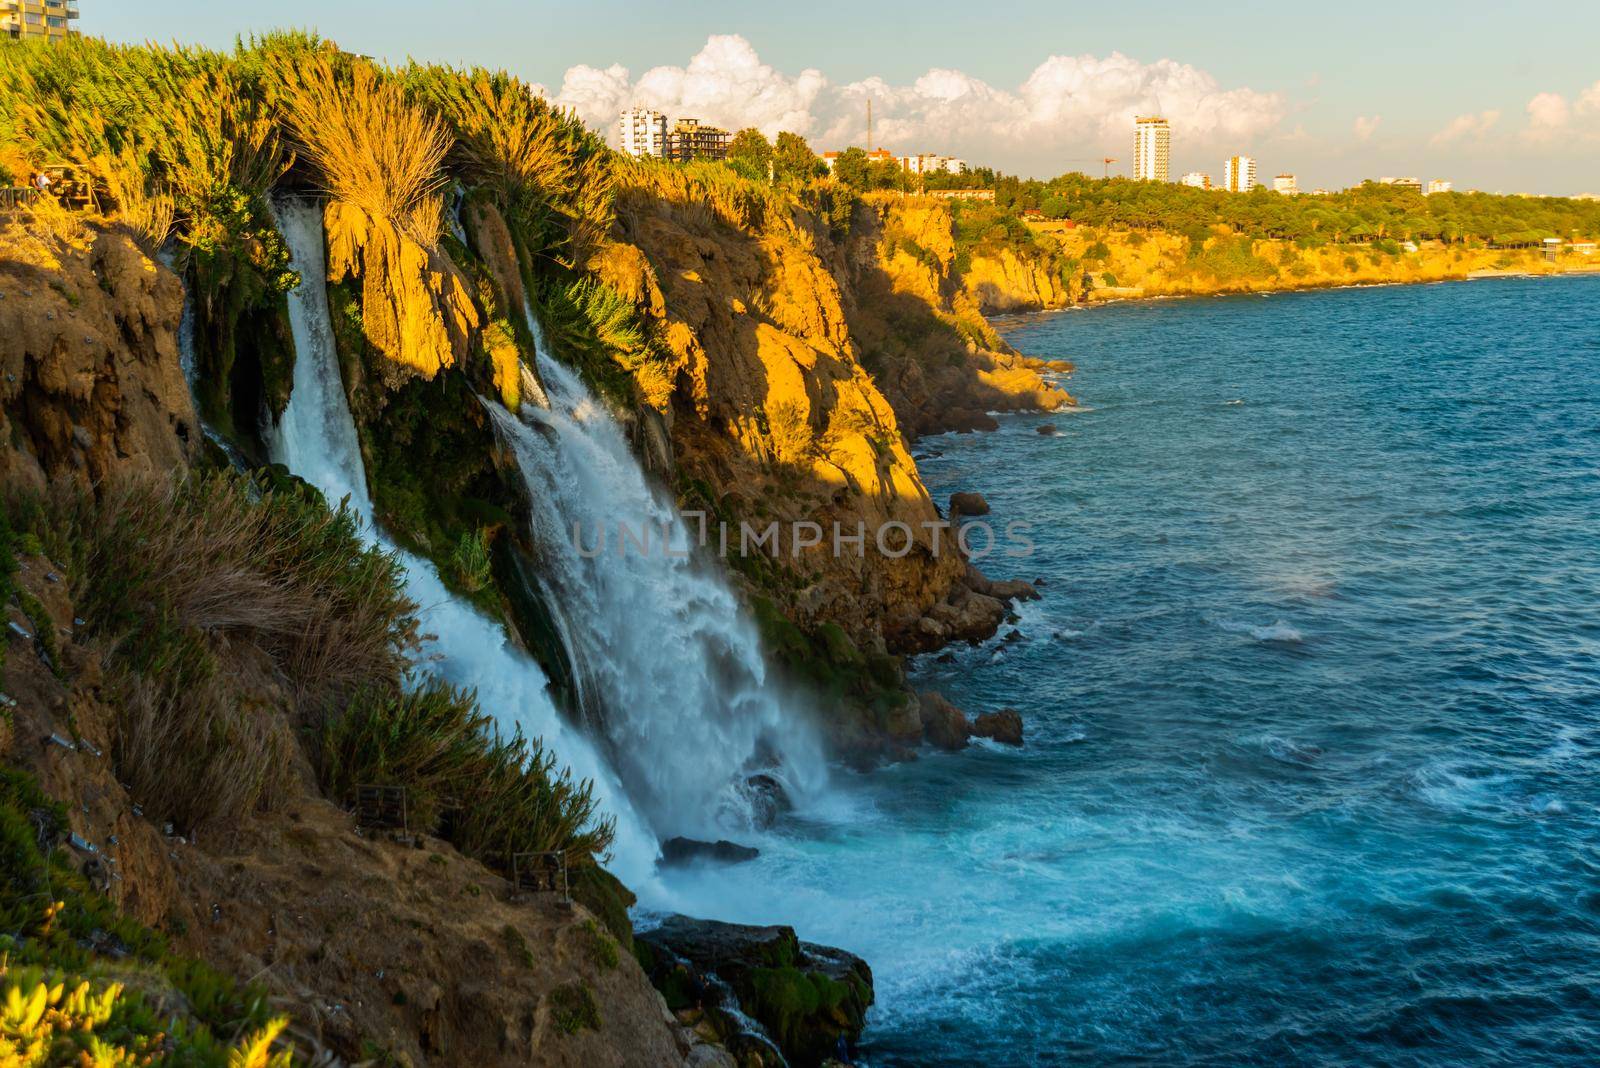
680, 851
809, 1000
1004, 726
943, 724
936, 358
971, 504
90, 380
1007, 282
772, 415
416, 308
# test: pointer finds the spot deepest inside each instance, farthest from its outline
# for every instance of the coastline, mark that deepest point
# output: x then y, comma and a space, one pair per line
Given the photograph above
1007, 321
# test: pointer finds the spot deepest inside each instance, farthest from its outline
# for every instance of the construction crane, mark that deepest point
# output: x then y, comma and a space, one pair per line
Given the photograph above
1104, 161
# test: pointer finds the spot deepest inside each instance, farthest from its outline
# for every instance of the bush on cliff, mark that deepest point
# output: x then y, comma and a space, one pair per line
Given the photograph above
58, 931
373, 147
491, 797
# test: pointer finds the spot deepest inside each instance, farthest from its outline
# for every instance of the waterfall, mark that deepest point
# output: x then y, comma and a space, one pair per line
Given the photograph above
188, 363
672, 677
316, 439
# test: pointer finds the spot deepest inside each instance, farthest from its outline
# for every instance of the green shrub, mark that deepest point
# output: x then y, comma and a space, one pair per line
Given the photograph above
470, 561
58, 927
573, 1008
490, 797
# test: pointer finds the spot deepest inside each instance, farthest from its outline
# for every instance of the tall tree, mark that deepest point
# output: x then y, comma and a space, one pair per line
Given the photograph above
793, 158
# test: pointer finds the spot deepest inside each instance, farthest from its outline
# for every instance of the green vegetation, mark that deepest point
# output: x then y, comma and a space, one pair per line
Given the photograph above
208, 590
1366, 213
488, 796
372, 147
573, 1008
202, 589
57, 931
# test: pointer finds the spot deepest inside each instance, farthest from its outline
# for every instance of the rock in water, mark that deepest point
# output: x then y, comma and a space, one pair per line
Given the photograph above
810, 999
968, 504
767, 799
1047, 429
943, 724
679, 851
1004, 726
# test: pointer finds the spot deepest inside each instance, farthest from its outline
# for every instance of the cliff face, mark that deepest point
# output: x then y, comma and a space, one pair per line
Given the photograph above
923, 333
1120, 264
800, 362
90, 380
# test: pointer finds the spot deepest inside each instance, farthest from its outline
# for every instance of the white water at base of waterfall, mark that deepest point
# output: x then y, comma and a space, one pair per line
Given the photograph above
316, 439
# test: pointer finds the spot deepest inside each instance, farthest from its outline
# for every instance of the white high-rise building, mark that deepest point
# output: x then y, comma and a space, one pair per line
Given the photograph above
1196, 179
1239, 174
1152, 148
642, 132
1285, 184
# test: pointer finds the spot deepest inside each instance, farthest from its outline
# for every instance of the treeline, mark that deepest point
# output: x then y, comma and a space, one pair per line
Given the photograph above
1369, 212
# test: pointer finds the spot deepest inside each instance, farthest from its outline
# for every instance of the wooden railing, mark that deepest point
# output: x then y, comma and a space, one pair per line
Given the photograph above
18, 196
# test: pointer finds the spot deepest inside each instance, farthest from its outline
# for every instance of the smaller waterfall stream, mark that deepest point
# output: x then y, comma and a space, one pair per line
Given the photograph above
316, 439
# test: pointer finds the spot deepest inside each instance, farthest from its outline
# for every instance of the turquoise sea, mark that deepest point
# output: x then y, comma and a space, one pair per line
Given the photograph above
1312, 698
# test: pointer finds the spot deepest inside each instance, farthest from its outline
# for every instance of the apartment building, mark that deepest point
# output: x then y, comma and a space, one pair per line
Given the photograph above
1196, 179
1285, 184
1152, 148
34, 19
1439, 185
1239, 174
932, 163
642, 132
692, 139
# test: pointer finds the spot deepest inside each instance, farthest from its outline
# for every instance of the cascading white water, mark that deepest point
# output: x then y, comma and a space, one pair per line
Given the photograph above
316, 439
671, 672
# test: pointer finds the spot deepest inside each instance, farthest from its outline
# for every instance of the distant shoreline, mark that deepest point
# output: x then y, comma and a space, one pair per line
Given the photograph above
1005, 321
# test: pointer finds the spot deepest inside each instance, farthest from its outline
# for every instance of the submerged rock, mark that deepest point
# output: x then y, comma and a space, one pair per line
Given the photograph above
1046, 429
679, 851
1004, 726
810, 1000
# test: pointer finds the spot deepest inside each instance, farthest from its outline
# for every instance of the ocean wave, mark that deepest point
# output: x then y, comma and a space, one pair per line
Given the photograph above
1276, 631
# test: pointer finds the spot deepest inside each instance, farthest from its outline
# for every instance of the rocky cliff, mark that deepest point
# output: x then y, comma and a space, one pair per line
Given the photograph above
799, 357
90, 380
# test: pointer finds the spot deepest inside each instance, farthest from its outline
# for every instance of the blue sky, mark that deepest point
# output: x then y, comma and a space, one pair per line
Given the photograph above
1477, 92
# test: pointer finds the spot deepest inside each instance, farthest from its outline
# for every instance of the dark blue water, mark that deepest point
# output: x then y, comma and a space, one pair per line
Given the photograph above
1312, 702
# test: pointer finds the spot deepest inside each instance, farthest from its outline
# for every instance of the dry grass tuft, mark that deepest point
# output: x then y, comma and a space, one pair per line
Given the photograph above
222, 610
375, 150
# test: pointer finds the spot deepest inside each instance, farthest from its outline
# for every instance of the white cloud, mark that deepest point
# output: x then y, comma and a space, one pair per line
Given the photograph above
1366, 126
1550, 114
1067, 106
1465, 126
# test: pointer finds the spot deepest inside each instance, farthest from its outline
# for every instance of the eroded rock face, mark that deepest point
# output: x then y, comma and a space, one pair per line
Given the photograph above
810, 1000
416, 307
943, 724
90, 380
770, 408
1005, 282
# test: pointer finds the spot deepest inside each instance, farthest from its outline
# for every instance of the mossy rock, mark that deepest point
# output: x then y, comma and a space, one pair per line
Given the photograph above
809, 999
604, 895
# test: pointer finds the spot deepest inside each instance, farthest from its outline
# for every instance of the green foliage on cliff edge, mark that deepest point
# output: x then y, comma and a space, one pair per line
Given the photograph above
54, 927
